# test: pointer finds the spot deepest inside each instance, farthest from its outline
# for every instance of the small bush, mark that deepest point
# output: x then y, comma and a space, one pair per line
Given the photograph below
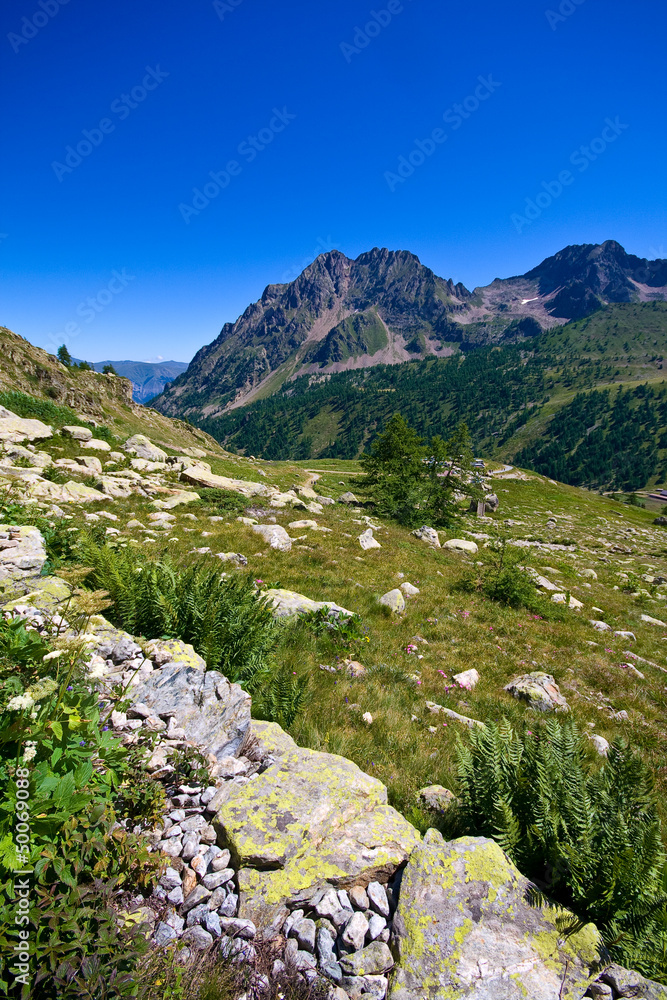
224, 501
587, 833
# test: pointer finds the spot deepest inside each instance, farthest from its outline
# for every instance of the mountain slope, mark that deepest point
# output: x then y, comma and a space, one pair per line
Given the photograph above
385, 307
510, 396
105, 399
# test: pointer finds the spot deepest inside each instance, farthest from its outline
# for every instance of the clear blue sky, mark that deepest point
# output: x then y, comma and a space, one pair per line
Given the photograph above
220, 76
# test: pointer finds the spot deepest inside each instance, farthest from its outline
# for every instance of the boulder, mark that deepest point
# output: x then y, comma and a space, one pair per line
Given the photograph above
96, 445
71, 492
467, 679
394, 600
38, 459
436, 797
428, 535
194, 452
116, 488
468, 925
287, 603
409, 590
233, 557
348, 498
274, 535
627, 983
311, 820
367, 541
22, 552
143, 447
90, 462
212, 711
77, 433
571, 602
539, 690
17, 429
461, 545
198, 475
652, 621
436, 709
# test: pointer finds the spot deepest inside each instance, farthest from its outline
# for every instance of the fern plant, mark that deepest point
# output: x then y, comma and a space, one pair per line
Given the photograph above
586, 833
224, 619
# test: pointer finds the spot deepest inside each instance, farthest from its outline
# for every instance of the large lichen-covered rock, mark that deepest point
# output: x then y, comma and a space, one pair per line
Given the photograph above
71, 492
198, 475
428, 535
77, 433
49, 593
22, 552
17, 429
287, 602
213, 712
309, 820
394, 600
461, 545
143, 447
539, 690
467, 927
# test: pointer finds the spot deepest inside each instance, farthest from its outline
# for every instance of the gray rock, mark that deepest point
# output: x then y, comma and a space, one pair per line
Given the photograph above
190, 847
305, 961
171, 879
372, 960
627, 983
164, 934
236, 927
394, 600
437, 797
374, 987
466, 926
325, 947
125, 650
348, 498
334, 972
274, 535
305, 934
539, 690
216, 879
291, 922
200, 894
212, 711
428, 535
359, 897
355, 931
197, 915
193, 823
378, 898
143, 447
212, 923
344, 899
196, 937
230, 905
175, 895
376, 926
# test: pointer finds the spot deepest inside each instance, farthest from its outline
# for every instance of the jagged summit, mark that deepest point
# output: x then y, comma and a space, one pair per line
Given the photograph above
386, 307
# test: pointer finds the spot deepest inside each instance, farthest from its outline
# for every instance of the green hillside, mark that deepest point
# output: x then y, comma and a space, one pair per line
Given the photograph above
550, 403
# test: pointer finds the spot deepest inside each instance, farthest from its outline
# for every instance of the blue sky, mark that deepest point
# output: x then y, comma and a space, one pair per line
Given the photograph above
304, 113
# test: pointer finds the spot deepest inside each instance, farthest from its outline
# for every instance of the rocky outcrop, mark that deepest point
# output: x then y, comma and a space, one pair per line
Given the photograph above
22, 552
467, 926
311, 820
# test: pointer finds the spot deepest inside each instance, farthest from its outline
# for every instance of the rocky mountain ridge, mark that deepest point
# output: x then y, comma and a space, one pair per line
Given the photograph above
385, 307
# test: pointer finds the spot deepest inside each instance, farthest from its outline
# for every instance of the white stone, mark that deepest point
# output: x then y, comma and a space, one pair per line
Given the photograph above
461, 545
366, 541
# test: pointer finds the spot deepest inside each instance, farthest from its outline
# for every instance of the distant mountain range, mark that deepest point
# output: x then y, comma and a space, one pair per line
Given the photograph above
386, 307
148, 378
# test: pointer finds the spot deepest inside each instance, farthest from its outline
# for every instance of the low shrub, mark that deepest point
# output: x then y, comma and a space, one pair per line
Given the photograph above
586, 832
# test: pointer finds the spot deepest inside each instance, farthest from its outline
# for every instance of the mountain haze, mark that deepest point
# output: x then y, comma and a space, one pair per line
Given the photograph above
148, 378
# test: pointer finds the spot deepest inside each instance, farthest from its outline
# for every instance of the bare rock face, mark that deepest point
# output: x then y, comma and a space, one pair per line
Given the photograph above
466, 927
309, 821
210, 709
